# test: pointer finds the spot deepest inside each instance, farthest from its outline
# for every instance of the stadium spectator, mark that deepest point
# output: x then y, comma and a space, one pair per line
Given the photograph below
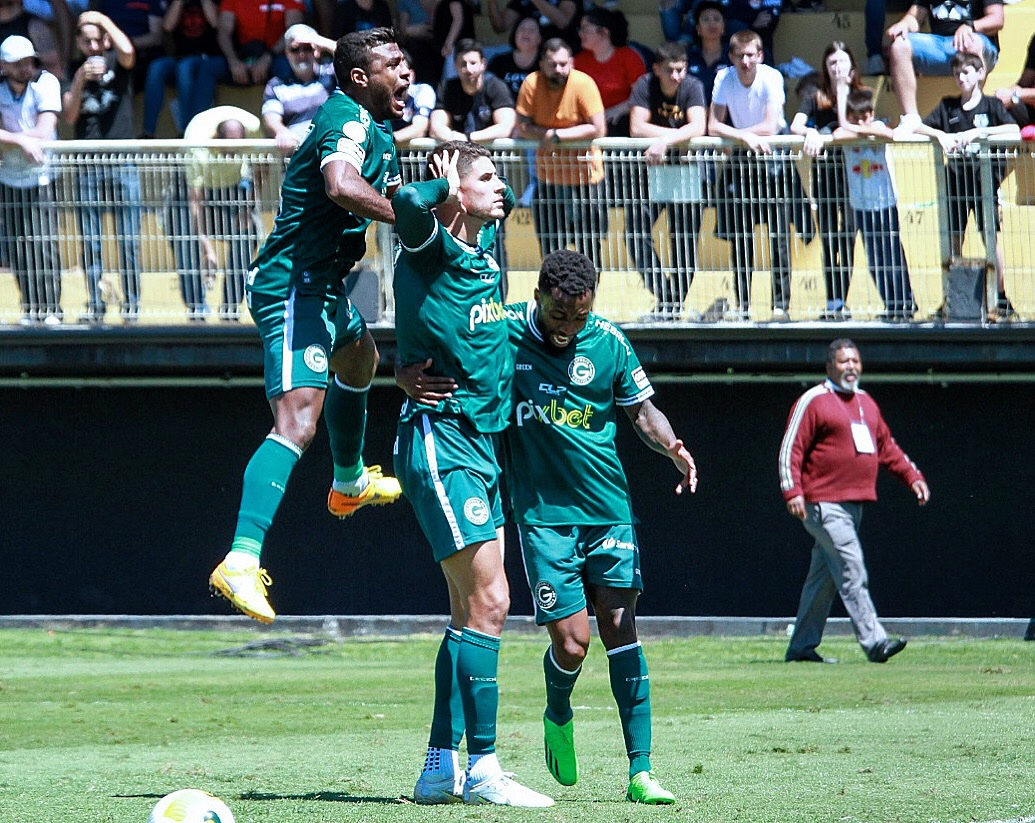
513, 66
712, 50
141, 22
957, 122
51, 54
819, 114
835, 442
747, 107
668, 106
559, 104
288, 106
556, 18
759, 16
414, 19
452, 22
99, 105
970, 26
250, 34
222, 202
611, 62
874, 204
30, 102
328, 199
191, 26
445, 454
474, 105
416, 116
360, 15
1019, 98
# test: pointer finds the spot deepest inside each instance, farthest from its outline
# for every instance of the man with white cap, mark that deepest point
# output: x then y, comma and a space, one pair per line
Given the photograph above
30, 102
288, 106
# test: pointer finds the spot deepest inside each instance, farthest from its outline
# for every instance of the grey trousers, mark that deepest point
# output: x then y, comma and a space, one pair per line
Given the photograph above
837, 568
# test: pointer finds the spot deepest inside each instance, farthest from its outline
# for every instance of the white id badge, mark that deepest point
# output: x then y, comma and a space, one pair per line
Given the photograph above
862, 438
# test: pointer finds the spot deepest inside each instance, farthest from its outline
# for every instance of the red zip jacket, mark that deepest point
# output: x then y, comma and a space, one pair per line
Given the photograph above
819, 458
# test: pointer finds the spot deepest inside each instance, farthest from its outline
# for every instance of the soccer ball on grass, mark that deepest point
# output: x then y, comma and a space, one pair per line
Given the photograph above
190, 806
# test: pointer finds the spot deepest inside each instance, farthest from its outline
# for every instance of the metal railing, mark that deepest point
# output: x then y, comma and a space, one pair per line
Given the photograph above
162, 232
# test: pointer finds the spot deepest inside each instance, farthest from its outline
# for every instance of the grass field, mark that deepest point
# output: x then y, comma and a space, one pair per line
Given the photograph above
96, 725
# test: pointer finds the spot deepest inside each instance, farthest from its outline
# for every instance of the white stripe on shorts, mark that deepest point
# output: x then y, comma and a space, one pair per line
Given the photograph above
440, 490
286, 364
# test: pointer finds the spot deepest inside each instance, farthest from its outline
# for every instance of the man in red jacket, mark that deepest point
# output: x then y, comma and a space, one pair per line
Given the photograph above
836, 440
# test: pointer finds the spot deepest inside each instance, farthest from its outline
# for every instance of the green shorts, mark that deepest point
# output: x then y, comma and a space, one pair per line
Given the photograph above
299, 335
449, 473
561, 560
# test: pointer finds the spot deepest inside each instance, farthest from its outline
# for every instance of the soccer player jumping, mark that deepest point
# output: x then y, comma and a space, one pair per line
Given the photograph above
318, 353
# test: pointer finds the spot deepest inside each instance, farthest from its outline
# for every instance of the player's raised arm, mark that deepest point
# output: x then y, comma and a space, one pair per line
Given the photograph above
654, 429
346, 187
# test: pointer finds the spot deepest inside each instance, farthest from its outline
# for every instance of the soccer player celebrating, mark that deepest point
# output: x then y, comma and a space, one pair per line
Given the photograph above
339, 179
449, 310
572, 369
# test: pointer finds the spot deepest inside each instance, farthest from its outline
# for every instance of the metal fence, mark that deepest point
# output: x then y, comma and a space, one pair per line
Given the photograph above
163, 232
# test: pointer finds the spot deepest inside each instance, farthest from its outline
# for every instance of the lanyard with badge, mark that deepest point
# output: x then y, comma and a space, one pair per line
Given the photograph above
861, 433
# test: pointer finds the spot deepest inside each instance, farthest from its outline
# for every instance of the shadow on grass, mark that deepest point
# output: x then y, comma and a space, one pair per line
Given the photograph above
325, 797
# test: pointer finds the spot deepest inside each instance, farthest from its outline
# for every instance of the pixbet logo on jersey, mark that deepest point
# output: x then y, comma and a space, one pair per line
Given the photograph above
554, 414
488, 311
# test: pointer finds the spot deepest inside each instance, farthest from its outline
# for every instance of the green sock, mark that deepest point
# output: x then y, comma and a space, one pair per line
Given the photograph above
630, 684
447, 721
345, 413
559, 686
265, 479
476, 667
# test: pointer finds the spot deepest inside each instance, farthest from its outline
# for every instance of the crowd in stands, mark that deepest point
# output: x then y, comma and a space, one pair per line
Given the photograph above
571, 73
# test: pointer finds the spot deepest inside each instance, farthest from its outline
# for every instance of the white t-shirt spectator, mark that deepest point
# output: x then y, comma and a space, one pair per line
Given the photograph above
747, 104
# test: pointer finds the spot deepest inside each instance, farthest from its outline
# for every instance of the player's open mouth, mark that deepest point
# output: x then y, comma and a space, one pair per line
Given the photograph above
560, 340
399, 98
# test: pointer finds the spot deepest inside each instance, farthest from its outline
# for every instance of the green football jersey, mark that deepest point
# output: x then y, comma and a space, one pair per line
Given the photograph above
449, 307
562, 467
315, 241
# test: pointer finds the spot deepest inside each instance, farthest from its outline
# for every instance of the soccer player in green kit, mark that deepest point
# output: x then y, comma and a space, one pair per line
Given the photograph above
318, 353
449, 310
571, 499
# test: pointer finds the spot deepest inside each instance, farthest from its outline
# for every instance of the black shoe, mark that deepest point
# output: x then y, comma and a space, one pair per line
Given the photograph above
810, 657
886, 649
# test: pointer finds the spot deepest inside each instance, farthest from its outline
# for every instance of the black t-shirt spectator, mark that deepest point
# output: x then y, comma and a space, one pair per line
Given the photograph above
819, 118
504, 67
669, 112
946, 16
469, 113
950, 116
106, 111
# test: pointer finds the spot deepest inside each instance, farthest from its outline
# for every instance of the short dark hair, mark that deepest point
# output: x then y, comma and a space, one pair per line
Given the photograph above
859, 102
836, 346
355, 50
555, 44
670, 53
964, 58
514, 28
469, 153
572, 273
468, 44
